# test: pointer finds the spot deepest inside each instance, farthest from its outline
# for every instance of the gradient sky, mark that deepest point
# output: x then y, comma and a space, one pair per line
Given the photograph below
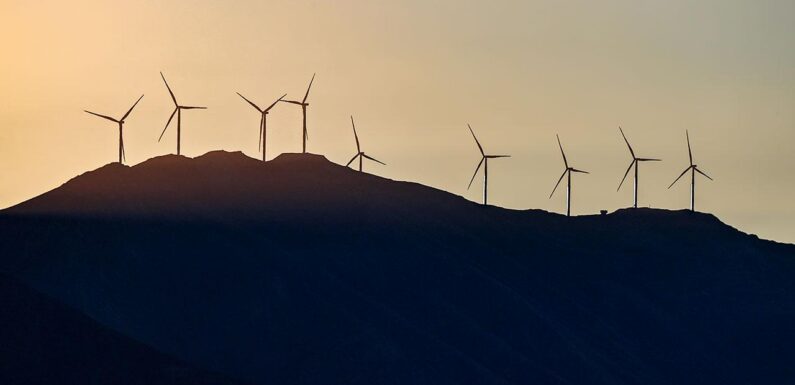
414, 73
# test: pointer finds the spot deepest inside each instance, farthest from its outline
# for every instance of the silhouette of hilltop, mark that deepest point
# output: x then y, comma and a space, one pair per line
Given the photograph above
301, 271
222, 185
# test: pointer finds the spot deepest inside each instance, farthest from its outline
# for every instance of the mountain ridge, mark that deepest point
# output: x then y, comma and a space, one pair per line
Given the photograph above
300, 271
111, 176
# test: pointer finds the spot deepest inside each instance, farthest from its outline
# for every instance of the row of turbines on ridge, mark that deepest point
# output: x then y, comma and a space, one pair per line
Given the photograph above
361, 155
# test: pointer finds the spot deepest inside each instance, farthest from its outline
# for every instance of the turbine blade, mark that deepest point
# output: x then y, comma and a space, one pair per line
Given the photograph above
373, 159
689, 152
497, 156
293, 102
192, 108
702, 173
358, 149
565, 162
167, 123
476, 172
249, 102
557, 184
476, 140
131, 108
308, 88
580, 171
274, 103
627, 141
626, 173
123, 152
680, 176
169, 90
648, 160
352, 159
102, 116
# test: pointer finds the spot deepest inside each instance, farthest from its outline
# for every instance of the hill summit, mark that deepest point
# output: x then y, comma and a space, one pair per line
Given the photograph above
230, 186
225, 185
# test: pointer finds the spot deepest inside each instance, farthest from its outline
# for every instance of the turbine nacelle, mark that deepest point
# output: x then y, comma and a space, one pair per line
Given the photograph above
177, 111
359, 153
303, 105
567, 171
262, 122
693, 168
120, 122
296, 103
635, 161
363, 155
484, 161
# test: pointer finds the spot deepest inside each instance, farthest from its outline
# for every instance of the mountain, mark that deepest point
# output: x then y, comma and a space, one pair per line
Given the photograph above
301, 271
223, 186
43, 342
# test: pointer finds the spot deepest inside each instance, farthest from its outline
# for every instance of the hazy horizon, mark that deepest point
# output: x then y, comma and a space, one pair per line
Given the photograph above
413, 74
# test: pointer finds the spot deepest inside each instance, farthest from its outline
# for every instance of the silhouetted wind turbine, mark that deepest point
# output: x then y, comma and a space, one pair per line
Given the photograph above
693, 170
121, 127
263, 122
566, 172
359, 153
635, 162
178, 111
484, 161
304, 105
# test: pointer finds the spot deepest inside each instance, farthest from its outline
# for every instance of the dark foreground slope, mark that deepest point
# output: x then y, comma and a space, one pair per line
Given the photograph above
299, 271
43, 342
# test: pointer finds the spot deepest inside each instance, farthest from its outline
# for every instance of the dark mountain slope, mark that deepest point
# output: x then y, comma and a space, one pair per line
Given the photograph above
300, 271
43, 342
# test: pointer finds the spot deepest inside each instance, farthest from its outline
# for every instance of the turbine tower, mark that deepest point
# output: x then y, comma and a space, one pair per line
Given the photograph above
359, 153
303, 105
484, 161
566, 172
120, 122
693, 170
635, 162
178, 111
263, 122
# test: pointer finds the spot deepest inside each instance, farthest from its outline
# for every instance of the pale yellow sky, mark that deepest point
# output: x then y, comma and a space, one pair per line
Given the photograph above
414, 73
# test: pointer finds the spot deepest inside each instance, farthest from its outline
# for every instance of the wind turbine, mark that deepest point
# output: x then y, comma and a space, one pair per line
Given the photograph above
484, 161
121, 127
304, 105
693, 170
263, 122
359, 153
178, 111
635, 162
566, 172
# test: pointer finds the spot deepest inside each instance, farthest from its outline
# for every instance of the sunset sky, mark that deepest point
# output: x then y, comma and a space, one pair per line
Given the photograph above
413, 74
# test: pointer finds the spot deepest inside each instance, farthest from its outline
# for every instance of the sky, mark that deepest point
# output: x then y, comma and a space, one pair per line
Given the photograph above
413, 74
